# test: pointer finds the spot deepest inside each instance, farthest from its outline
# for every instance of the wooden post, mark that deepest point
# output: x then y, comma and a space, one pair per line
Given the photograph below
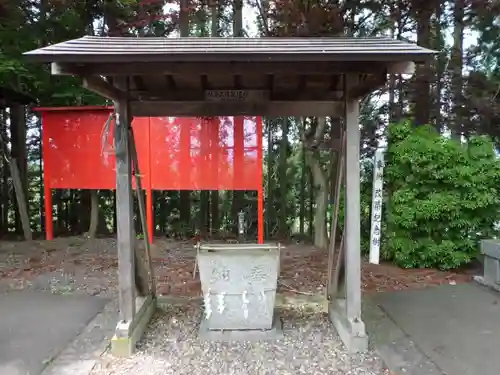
345, 309
124, 214
352, 214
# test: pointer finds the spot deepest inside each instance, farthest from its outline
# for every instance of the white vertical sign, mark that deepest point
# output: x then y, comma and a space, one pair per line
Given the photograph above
377, 193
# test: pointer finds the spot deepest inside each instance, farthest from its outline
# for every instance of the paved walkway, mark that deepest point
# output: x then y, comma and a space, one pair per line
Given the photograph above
451, 329
36, 326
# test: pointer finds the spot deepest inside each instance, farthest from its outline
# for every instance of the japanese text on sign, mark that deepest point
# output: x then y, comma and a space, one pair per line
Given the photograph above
235, 95
377, 200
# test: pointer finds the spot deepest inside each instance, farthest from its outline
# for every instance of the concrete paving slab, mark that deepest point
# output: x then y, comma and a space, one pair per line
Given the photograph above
36, 326
399, 353
455, 326
81, 355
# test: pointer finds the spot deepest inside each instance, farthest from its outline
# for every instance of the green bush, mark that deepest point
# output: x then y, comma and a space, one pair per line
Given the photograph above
441, 197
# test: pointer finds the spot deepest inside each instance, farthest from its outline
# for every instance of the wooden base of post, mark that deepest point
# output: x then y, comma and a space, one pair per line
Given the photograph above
352, 333
128, 334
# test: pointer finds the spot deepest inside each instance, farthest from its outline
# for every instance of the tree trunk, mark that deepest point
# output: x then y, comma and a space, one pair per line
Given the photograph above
94, 213
214, 202
319, 181
238, 18
321, 201
456, 68
203, 212
421, 93
440, 65
83, 211
114, 213
236, 206
161, 196
19, 155
392, 79
302, 197
270, 181
282, 175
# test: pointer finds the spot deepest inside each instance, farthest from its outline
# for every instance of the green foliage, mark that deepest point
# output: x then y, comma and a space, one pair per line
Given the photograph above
443, 197
366, 184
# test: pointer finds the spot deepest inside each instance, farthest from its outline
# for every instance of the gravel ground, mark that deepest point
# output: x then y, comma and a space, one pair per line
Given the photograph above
310, 345
171, 346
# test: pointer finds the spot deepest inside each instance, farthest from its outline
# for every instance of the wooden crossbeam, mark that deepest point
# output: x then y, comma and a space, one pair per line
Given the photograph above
209, 109
229, 68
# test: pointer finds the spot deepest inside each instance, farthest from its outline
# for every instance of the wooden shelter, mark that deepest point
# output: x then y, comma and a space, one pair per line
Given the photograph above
234, 77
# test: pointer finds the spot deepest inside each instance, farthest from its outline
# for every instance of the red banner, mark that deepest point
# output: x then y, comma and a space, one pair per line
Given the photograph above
75, 156
174, 153
196, 154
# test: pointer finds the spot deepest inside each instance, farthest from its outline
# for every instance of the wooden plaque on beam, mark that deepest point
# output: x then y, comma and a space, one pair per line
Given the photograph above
239, 96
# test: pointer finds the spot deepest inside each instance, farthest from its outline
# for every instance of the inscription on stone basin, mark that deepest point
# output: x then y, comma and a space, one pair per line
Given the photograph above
239, 287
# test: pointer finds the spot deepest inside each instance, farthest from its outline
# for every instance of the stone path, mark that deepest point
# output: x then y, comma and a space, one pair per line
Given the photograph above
36, 326
450, 329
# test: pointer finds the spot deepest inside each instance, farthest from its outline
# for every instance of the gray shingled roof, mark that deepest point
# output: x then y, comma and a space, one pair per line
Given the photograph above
91, 49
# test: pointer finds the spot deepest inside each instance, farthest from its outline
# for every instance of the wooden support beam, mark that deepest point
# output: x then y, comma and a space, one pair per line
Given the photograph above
204, 82
367, 86
270, 82
171, 84
101, 87
124, 215
302, 83
142, 214
334, 267
378, 80
230, 68
405, 67
203, 108
139, 83
237, 82
334, 82
190, 95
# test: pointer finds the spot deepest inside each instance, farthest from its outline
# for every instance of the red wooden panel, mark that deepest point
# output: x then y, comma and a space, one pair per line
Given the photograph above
74, 153
195, 154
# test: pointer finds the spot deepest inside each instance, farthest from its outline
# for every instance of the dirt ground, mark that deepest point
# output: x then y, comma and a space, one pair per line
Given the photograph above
79, 265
